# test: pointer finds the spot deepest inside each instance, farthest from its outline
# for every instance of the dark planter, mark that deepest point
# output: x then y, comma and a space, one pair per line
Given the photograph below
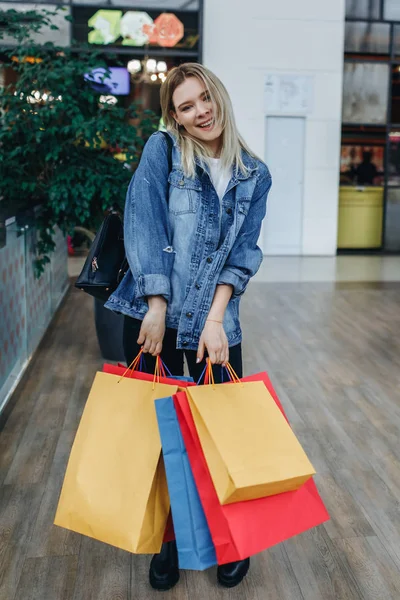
3, 232
109, 329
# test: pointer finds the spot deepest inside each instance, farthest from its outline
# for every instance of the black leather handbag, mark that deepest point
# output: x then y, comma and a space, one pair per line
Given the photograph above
106, 263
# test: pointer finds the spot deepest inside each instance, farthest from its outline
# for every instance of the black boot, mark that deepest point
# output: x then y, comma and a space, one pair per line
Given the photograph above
233, 573
164, 568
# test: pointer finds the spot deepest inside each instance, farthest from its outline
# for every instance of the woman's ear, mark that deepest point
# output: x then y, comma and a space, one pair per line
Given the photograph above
173, 114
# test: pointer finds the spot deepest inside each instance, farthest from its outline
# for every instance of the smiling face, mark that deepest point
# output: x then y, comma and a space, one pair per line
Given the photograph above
195, 112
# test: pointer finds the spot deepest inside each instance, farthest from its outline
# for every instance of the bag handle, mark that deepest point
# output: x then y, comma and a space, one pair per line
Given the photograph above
160, 370
209, 375
136, 361
233, 376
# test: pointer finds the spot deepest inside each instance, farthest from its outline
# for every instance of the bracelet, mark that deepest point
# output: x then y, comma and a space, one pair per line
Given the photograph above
213, 320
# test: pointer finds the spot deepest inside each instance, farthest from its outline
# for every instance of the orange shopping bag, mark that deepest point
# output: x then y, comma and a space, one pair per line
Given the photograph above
115, 487
250, 449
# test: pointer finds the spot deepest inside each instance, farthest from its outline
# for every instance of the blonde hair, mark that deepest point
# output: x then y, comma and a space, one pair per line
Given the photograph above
191, 147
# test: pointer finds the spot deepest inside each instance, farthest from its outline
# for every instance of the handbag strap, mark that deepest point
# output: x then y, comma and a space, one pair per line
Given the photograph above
169, 155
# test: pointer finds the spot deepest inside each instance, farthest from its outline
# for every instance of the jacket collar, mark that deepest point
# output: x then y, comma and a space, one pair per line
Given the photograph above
237, 175
249, 162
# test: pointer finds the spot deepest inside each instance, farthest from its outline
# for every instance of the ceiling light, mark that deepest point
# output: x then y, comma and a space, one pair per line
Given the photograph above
134, 66
162, 66
151, 65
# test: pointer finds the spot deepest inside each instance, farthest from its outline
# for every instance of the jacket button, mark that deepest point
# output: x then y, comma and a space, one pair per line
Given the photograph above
181, 182
184, 343
189, 315
209, 259
197, 286
228, 211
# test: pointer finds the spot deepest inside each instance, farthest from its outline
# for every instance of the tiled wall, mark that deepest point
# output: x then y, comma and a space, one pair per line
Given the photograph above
13, 321
27, 304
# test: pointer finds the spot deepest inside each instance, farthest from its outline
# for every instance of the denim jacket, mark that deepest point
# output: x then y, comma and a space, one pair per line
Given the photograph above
184, 248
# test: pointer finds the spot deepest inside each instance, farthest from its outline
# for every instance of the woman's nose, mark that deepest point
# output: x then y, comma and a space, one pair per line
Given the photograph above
202, 110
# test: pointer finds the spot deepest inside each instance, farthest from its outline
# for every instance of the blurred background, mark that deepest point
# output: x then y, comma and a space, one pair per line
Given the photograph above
315, 86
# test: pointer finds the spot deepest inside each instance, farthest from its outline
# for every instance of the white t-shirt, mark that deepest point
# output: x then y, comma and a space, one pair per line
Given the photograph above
219, 177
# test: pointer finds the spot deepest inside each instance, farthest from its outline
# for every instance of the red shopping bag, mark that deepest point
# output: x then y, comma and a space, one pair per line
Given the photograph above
169, 534
243, 529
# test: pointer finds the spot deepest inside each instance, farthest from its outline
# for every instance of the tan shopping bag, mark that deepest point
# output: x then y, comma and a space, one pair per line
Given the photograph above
250, 449
115, 487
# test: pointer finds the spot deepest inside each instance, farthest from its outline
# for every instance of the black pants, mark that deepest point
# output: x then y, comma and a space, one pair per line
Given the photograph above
172, 357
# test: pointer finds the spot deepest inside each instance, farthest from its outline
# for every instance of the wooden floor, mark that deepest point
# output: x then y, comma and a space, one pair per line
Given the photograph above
334, 357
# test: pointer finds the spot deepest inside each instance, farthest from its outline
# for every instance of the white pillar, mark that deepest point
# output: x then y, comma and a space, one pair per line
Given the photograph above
244, 43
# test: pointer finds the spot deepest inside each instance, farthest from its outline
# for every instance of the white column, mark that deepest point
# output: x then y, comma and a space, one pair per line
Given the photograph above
244, 42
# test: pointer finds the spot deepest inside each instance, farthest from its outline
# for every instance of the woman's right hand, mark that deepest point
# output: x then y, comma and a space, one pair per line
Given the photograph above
152, 330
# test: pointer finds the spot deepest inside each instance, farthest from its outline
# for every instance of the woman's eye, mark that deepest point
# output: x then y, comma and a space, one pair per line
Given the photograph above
185, 108
207, 98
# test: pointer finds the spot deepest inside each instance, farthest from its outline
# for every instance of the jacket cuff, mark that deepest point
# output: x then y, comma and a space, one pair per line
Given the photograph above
153, 285
235, 278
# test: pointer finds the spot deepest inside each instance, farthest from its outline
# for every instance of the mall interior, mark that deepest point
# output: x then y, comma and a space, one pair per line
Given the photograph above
315, 87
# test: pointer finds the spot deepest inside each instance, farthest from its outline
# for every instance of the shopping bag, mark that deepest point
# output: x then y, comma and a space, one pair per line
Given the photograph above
120, 370
115, 488
243, 529
250, 449
169, 374
195, 547
169, 534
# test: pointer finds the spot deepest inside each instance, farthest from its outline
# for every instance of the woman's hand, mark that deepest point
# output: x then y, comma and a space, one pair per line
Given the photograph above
214, 340
152, 330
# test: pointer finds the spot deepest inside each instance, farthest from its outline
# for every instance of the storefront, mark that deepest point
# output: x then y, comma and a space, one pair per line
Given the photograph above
141, 41
369, 198
146, 44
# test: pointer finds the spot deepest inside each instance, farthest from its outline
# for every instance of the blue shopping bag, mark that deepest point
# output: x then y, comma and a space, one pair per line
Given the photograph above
195, 547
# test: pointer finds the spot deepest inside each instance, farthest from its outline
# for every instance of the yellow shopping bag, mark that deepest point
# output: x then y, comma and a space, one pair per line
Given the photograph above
250, 449
115, 487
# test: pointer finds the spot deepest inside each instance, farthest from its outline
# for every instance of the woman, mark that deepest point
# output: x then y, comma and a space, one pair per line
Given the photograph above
191, 241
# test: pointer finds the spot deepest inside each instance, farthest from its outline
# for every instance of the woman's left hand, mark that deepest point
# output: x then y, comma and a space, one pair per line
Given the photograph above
214, 340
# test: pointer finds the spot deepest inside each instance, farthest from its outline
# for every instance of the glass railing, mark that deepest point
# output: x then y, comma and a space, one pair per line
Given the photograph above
27, 304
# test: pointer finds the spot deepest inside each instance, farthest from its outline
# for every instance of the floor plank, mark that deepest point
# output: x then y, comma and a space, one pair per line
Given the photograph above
17, 521
381, 507
47, 539
376, 575
47, 578
319, 569
347, 517
103, 572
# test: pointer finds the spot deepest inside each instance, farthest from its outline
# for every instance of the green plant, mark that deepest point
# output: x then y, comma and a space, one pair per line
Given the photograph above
57, 139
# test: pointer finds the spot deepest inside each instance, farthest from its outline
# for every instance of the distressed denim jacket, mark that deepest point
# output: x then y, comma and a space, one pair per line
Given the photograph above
184, 248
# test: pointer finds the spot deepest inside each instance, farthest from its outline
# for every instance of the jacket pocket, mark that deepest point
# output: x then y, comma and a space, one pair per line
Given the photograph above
184, 194
243, 207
